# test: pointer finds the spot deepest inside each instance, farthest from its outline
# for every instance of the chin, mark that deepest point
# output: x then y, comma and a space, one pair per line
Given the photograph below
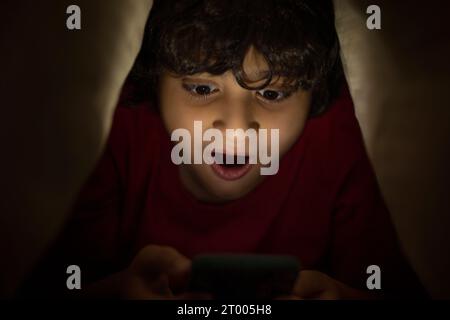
225, 191
217, 190
224, 195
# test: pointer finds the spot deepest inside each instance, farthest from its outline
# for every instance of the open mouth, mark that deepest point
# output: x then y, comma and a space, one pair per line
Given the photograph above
237, 169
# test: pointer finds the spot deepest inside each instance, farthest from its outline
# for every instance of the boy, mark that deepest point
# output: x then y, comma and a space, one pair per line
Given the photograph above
237, 64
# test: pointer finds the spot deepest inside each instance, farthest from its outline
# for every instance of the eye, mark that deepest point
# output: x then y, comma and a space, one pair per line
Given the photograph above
200, 89
273, 95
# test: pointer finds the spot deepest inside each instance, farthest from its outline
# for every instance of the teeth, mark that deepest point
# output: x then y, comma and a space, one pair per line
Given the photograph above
240, 159
218, 158
221, 158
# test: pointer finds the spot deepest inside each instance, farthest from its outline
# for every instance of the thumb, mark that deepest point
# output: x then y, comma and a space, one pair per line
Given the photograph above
155, 261
179, 274
309, 284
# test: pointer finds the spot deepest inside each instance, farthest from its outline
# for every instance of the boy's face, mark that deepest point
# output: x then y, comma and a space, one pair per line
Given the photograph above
221, 103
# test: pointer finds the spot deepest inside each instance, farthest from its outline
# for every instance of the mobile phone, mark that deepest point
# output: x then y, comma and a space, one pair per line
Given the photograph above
244, 276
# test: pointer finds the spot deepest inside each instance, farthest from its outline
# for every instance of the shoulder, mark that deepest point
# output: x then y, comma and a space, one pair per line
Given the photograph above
336, 138
339, 120
135, 139
134, 124
340, 126
132, 118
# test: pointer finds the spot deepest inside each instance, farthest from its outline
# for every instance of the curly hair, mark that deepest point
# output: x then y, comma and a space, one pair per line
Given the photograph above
297, 38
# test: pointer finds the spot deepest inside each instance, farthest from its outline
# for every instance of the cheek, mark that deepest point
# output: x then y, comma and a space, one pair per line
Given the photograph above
176, 114
169, 116
290, 127
178, 111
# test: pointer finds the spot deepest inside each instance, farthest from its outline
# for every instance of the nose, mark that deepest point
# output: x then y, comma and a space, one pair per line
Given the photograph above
236, 114
237, 117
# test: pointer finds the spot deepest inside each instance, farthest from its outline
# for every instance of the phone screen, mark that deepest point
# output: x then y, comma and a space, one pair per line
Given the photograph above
242, 276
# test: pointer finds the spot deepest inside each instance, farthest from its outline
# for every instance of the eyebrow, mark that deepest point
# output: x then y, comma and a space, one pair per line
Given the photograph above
199, 79
276, 81
256, 74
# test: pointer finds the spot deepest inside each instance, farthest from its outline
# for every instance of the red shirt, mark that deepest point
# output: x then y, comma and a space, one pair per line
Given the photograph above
323, 206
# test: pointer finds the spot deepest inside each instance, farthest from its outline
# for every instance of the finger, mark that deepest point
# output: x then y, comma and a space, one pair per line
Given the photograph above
310, 284
179, 276
328, 295
139, 289
154, 257
154, 261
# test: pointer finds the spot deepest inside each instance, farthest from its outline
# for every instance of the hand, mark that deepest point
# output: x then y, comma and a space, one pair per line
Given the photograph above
317, 285
156, 272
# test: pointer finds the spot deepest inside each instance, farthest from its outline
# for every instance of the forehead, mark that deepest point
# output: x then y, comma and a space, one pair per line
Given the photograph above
255, 70
255, 66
